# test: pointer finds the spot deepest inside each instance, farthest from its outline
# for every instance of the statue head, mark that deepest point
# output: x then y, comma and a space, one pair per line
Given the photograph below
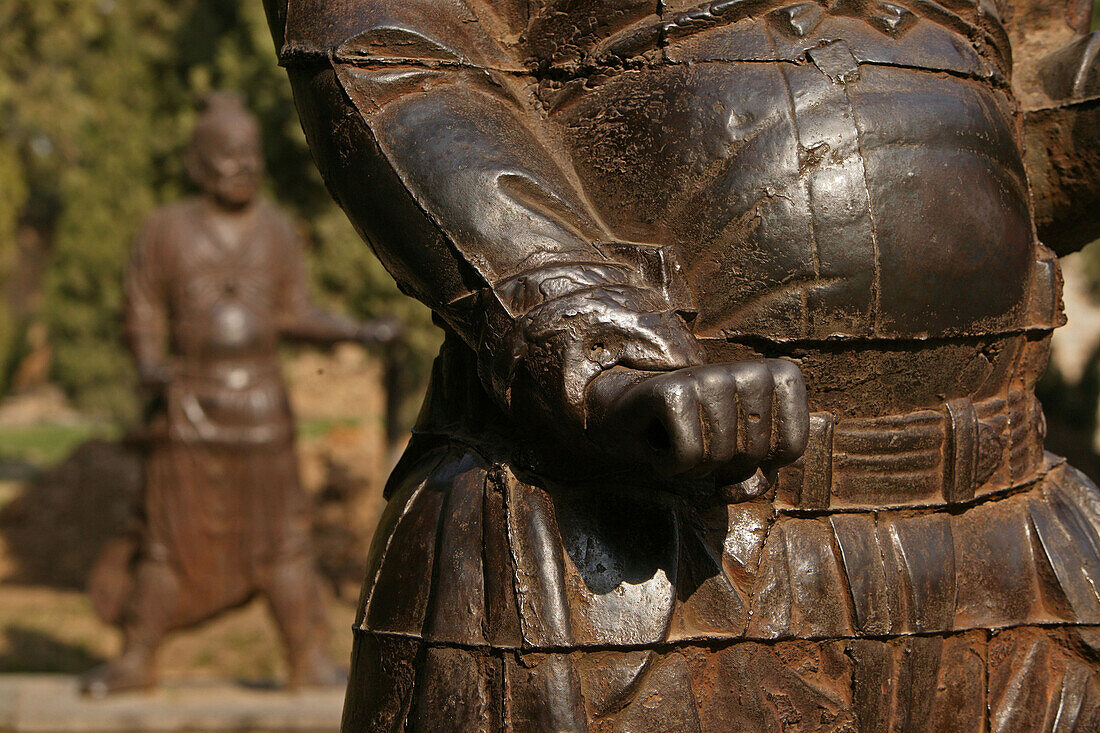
224, 158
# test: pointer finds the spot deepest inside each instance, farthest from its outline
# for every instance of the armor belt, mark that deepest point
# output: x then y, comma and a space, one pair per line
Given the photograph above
950, 456
230, 404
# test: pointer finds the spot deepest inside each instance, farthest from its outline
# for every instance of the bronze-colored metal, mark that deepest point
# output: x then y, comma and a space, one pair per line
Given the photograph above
215, 281
733, 428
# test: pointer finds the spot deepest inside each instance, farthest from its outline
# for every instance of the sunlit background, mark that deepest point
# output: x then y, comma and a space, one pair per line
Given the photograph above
97, 98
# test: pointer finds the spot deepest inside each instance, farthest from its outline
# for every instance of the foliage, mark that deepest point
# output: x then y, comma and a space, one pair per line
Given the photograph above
13, 196
97, 98
46, 445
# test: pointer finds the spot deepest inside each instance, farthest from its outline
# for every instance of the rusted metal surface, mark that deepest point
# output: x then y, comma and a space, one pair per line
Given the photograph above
733, 428
216, 281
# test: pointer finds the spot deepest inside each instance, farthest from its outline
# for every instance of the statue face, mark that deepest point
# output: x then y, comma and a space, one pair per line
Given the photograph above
228, 161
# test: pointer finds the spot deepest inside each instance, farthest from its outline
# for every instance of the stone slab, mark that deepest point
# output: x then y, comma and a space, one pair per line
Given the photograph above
52, 704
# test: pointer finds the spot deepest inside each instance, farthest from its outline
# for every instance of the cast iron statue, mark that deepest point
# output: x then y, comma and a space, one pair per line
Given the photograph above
214, 282
733, 428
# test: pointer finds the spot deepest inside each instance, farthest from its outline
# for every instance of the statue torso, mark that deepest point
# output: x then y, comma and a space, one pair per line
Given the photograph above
847, 174
816, 181
224, 297
225, 293
842, 180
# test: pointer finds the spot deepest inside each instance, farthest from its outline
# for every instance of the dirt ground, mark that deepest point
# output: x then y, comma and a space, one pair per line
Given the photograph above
76, 483
54, 518
55, 630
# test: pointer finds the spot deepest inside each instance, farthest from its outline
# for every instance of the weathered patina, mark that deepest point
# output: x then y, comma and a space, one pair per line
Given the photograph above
745, 301
216, 280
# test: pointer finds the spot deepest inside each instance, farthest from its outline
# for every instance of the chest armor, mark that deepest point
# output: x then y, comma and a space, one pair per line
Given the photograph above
225, 298
840, 170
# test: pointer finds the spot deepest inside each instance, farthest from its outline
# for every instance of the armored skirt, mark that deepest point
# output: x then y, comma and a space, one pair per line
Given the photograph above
223, 517
498, 602
223, 506
842, 184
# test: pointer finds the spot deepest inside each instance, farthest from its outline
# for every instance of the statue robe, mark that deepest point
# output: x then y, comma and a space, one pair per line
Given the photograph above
844, 184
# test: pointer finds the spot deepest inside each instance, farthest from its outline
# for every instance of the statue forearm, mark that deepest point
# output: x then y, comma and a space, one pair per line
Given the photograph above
319, 326
146, 309
1059, 93
424, 133
147, 344
451, 188
1063, 146
440, 170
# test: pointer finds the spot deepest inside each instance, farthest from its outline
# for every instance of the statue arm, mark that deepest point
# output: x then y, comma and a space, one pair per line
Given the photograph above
417, 119
300, 317
1057, 77
146, 306
422, 126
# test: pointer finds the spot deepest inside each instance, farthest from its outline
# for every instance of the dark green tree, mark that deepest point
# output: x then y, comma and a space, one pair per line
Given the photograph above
97, 98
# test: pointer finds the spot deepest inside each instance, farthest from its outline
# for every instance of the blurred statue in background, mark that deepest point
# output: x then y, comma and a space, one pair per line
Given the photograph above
734, 425
215, 281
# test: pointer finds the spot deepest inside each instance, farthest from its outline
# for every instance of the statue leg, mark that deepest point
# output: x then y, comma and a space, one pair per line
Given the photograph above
294, 593
154, 609
165, 598
285, 571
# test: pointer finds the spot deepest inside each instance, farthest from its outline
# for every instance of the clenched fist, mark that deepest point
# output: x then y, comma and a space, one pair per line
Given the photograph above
721, 420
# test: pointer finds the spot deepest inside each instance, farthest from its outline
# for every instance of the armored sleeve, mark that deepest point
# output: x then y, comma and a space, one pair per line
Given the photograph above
1057, 78
418, 119
146, 304
299, 316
